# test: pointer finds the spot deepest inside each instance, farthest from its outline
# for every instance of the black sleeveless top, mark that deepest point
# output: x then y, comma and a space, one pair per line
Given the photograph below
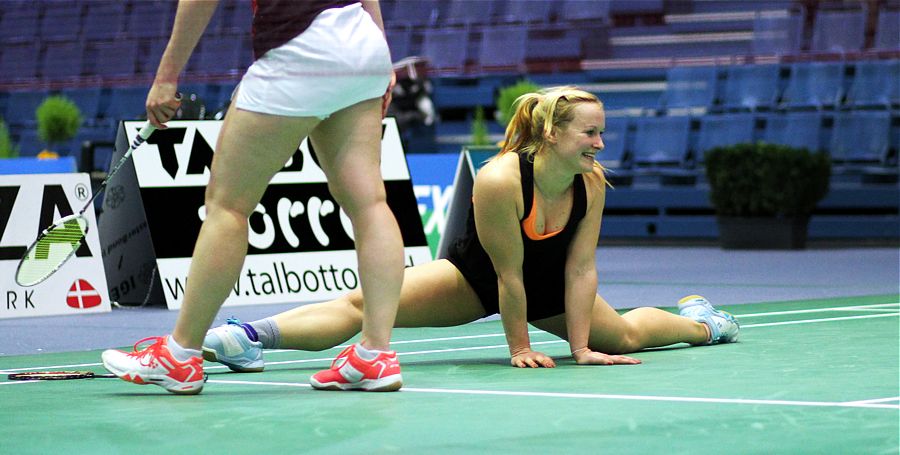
544, 261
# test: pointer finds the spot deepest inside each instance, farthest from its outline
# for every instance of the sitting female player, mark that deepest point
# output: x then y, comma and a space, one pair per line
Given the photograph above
528, 254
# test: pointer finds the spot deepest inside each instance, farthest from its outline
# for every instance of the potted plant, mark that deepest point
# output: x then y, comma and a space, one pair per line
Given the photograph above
7, 148
508, 95
58, 120
763, 194
479, 129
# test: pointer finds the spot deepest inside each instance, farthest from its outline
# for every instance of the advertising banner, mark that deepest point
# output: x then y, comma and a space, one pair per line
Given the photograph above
29, 204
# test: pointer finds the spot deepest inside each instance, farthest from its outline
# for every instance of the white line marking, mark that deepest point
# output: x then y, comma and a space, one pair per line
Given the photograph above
876, 400
810, 321
600, 396
819, 310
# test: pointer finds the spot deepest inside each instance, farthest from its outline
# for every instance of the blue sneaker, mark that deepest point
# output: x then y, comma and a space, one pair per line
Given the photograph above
723, 326
229, 345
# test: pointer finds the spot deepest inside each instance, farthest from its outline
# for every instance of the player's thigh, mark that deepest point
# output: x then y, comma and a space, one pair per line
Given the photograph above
609, 331
250, 150
435, 294
348, 146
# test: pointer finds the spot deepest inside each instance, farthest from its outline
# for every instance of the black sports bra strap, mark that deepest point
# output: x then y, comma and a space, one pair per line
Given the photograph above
526, 170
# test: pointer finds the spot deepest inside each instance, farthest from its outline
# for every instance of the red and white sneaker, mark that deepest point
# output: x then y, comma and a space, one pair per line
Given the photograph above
349, 372
156, 365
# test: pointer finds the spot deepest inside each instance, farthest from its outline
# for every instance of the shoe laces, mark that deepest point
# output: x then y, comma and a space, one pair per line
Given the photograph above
233, 321
148, 355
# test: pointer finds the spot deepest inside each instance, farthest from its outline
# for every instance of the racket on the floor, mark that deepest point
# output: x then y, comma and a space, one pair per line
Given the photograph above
58, 243
56, 375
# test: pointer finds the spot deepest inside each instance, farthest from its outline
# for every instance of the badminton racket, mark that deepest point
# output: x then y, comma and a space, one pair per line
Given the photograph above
59, 242
56, 375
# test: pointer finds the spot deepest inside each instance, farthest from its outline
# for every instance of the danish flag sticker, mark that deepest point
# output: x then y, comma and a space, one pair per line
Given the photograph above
82, 295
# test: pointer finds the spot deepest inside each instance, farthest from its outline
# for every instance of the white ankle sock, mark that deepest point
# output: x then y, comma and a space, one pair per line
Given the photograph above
180, 353
366, 354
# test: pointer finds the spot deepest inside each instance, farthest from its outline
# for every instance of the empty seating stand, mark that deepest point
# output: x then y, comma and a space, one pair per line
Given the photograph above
839, 31
752, 87
814, 85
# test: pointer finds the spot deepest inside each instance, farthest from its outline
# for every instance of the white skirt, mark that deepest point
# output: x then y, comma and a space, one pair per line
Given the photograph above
340, 60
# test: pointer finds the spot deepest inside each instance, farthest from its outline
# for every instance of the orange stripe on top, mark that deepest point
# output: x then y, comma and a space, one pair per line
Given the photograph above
529, 222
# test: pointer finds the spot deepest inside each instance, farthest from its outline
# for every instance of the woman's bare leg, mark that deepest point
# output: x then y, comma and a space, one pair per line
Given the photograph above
637, 329
433, 294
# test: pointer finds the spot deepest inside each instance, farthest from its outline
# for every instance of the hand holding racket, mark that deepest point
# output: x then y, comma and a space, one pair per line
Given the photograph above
58, 243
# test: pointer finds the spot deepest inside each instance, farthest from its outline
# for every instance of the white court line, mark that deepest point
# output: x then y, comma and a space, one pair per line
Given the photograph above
600, 396
820, 310
328, 359
876, 400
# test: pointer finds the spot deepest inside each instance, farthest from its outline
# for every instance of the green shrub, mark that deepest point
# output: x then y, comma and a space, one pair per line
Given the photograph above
479, 128
58, 120
508, 95
757, 180
7, 148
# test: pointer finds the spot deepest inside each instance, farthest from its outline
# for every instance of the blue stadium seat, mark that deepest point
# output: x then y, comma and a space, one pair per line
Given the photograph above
468, 12
61, 21
795, 129
19, 21
88, 101
777, 33
29, 144
751, 87
661, 141
151, 55
537, 11
503, 47
221, 55
62, 60
887, 33
585, 10
446, 49
615, 135
114, 58
876, 83
125, 103
636, 7
724, 130
420, 13
21, 106
19, 61
839, 31
815, 84
400, 42
860, 137
103, 20
690, 87
149, 18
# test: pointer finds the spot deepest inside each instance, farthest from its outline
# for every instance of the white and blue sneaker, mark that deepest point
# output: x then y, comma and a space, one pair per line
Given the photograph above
723, 326
229, 345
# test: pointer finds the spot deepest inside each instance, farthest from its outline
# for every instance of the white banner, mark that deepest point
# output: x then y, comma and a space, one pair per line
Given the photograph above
29, 204
301, 242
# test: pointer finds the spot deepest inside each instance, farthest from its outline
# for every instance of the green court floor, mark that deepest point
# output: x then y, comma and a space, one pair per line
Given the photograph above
816, 376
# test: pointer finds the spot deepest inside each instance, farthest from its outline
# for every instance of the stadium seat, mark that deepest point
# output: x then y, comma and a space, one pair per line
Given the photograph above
839, 31
125, 103
860, 137
795, 129
222, 54
19, 61
87, 100
150, 18
614, 140
690, 87
61, 21
468, 12
724, 130
533, 11
103, 20
815, 84
661, 141
62, 60
21, 106
18, 21
503, 47
887, 33
420, 13
114, 58
446, 49
876, 83
777, 33
751, 87
400, 42
636, 7
585, 10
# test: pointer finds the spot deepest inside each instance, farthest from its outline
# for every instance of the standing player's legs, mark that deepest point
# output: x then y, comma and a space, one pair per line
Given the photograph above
637, 329
251, 148
348, 145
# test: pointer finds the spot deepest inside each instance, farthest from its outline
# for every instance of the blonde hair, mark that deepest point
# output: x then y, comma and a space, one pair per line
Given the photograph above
537, 114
